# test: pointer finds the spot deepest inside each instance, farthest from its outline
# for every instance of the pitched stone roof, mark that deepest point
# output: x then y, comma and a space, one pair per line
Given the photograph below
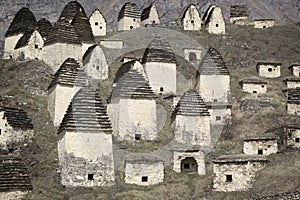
69, 74
282, 196
293, 97
17, 118
44, 27
242, 158
187, 10
159, 51
14, 175
208, 14
129, 10
86, 113
213, 64
62, 32
146, 12
134, 86
190, 104
70, 11
83, 28
23, 41
23, 22
239, 11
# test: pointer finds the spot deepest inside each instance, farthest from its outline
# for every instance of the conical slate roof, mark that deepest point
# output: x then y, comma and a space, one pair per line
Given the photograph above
23, 41
159, 51
86, 113
70, 11
191, 104
146, 12
294, 96
17, 118
129, 10
133, 85
62, 32
45, 27
83, 28
14, 174
23, 22
213, 64
69, 74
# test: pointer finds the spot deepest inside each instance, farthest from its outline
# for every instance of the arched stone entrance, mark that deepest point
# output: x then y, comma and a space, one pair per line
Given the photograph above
189, 165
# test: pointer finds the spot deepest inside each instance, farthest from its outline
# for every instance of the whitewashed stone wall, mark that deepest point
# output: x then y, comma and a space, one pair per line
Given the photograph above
294, 139
112, 44
137, 171
162, 76
243, 175
96, 65
293, 109
292, 84
264, 23
192, 20
266, 146
217, 23
9, 45
214, 88
98, 23
56, 54
192, 130
128, 23
219, 115
82, 154
269, 71
11, 137
33, 50
135, 118
153, 17
296, 70
15, 195
239, 20
179, 156
255, 88
59, 98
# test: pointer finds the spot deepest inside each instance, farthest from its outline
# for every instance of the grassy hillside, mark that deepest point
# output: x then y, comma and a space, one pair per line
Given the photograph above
24, 84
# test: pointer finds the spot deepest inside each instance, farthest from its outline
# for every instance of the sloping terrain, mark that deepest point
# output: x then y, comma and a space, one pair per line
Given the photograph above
23, 84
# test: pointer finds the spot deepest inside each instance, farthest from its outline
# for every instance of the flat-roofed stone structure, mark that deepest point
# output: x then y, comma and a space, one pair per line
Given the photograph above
292, 82
268, 69
255, 86
295, 69
260, 145
236, 172
263, 23
239, 14
293, 102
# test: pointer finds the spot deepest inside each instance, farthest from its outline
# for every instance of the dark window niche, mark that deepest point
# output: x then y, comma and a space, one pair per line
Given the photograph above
229, 178
137, 136
90, 177
144, 178
260, 152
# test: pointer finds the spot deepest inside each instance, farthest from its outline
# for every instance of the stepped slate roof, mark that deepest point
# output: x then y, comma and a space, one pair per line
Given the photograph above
23, 22
132, 85
208, 14
239, 11
146, 12
213, 64
62, 32
13, 173
86, 113
129, 10
17, 118
70, 11
23, 41
159, 51
44, 27
293, 96
83, 28
188, 10
191, 104
125, 67
69, 74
